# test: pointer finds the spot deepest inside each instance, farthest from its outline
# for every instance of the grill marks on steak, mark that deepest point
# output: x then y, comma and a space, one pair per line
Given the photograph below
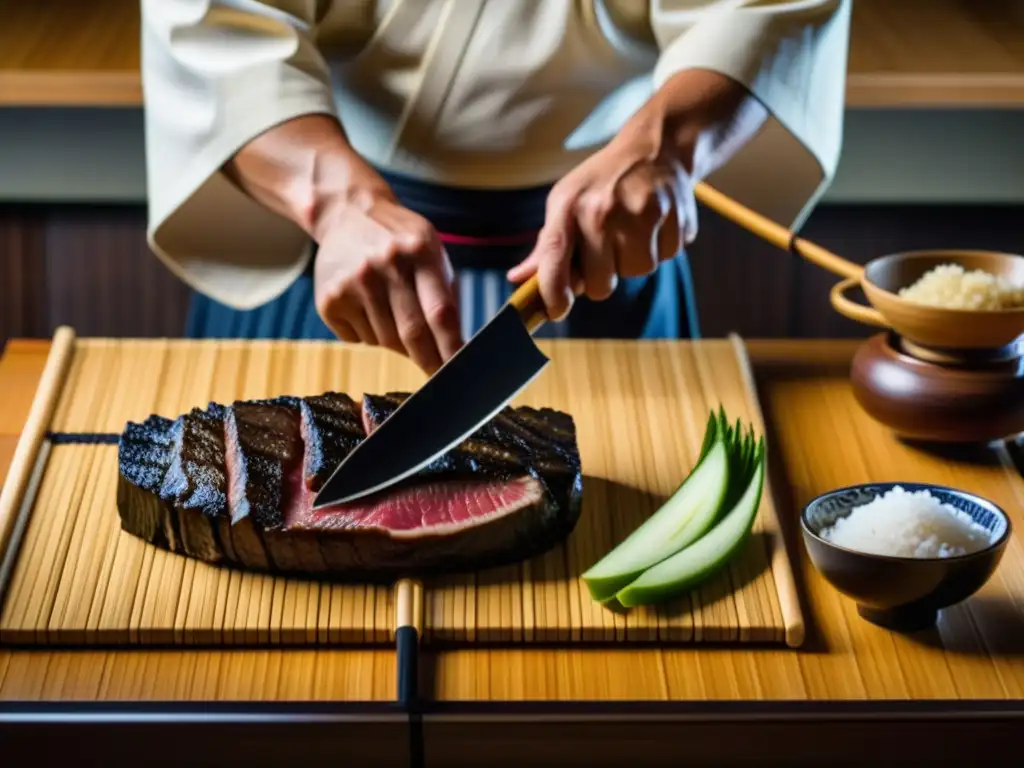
511, 491
264, 446
520, 440
195, 486
332, 426
143, 459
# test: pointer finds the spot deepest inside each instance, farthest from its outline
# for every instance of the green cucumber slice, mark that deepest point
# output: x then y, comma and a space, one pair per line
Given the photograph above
704, 557
681, 520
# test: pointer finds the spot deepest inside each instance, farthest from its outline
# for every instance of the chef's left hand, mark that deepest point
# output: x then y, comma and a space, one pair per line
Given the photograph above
625, 209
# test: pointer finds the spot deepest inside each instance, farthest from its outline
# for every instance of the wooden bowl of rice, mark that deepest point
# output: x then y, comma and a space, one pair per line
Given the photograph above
942, 299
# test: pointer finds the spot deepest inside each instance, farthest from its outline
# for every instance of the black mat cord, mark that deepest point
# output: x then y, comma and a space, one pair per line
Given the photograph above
83, 438
407, 652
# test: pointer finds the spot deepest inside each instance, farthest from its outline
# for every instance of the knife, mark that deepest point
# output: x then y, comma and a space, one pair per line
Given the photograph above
477, 382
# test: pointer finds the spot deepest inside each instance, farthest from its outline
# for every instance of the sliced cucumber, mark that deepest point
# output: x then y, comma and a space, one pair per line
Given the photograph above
707, 555
688, 513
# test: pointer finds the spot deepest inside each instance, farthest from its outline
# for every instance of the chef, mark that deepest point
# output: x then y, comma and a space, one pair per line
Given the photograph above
387, 171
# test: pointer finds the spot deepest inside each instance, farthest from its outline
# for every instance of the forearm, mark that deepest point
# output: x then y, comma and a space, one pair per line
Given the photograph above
700, 118
301, 168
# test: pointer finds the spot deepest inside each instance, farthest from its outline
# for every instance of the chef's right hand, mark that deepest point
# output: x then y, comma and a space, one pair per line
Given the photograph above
382, 277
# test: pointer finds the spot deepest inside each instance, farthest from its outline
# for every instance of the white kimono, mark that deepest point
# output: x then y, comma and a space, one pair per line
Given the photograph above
469, 93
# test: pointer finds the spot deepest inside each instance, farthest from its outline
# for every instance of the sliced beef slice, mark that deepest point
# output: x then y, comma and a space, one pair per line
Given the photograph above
257, 448
486, 502
143, 456
332, 426
435, 527
265, 461
195, 486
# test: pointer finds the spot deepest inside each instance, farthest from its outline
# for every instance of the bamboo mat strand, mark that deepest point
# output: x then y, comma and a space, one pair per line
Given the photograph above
640, 411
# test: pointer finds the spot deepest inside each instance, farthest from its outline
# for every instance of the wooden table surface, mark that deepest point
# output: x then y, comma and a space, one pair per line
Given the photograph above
968, 665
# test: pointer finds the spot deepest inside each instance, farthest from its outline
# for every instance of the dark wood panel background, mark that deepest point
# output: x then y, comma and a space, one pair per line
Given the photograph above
90, 267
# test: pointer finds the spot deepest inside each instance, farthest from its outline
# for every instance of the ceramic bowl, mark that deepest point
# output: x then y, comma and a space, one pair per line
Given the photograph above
902, 593
937, 403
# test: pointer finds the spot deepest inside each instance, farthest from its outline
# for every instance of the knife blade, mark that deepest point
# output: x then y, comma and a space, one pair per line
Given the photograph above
477, 382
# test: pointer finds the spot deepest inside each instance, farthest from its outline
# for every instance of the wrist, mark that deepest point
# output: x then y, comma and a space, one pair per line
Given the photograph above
689, 107
339, 180
303, 169
657, 133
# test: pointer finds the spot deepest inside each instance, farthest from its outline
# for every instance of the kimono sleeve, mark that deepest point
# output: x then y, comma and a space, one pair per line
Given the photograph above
216, 74
791, 55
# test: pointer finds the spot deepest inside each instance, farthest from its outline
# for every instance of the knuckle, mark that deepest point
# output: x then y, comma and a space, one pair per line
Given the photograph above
597, 207
556, 240
560, 198
442, 314
412, 331
364, 273
390, 255
413, 244
649, 204
330, 298
421, 236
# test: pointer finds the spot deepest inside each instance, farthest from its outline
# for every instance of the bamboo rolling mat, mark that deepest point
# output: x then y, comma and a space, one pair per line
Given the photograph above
72, 577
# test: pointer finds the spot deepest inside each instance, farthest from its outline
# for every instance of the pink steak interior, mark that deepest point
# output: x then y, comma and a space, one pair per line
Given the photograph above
433, 508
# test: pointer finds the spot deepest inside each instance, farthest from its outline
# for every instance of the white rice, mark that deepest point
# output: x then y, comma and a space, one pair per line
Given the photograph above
952, 287
908, 524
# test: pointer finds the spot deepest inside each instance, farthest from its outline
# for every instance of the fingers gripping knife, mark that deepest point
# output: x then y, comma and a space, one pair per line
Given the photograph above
497, 363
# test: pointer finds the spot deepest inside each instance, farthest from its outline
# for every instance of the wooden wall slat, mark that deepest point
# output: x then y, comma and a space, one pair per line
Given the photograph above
90, 267
103, 280
22, 275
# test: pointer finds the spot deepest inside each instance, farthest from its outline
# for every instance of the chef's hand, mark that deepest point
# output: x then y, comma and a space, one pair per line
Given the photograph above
624, 210
382, 277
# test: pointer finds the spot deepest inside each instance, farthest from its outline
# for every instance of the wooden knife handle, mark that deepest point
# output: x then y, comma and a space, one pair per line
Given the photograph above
528, 302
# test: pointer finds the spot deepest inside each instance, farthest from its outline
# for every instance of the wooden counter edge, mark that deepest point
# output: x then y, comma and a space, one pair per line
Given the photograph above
123, 89
104, 89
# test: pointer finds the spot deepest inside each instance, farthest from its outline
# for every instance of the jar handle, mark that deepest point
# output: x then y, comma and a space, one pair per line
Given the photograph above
851, 309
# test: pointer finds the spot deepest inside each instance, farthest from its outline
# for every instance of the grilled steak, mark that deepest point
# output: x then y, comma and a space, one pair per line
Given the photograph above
263, 448
195, 486
236, 484
143, 458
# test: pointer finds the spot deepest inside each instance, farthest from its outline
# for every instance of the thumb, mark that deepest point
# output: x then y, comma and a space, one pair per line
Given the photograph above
525, 269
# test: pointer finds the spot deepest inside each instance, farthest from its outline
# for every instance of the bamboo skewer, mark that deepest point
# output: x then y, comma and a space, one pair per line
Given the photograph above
782, 568
32, 436
775, 234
